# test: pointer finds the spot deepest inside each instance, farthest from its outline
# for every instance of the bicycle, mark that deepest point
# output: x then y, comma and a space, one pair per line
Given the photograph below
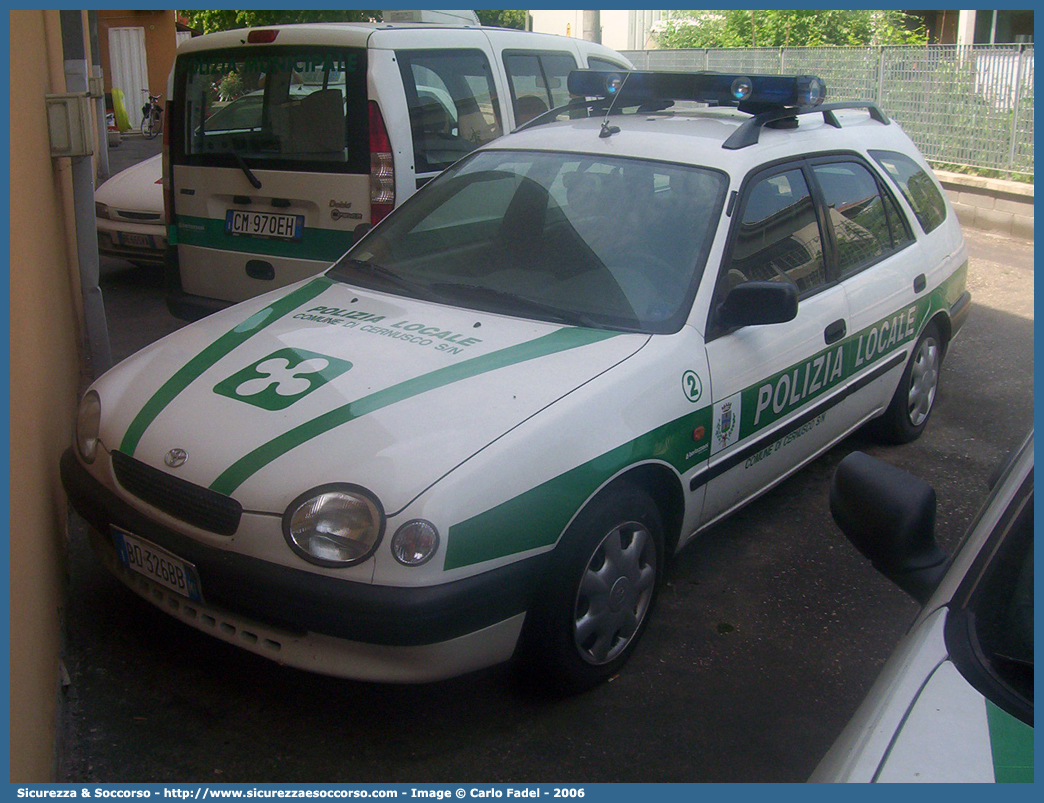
152, 119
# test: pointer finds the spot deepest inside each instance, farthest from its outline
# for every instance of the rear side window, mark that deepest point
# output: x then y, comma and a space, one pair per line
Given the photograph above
916, 186
453, 104
538, 82
779, 237
864, 220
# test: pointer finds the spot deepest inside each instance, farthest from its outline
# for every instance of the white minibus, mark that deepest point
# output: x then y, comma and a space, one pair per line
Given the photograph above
285, 144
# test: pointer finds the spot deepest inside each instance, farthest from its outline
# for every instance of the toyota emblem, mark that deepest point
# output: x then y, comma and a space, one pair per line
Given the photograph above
175, 458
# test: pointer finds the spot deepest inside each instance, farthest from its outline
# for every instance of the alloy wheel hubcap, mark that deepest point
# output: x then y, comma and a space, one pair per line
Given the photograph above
615, 593
924, 379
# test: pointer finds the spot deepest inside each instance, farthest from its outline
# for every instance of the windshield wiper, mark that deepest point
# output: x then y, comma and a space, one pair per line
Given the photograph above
375, 269
513, 302
255, 182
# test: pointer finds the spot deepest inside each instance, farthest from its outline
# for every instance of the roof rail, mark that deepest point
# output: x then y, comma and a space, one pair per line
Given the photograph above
748, 133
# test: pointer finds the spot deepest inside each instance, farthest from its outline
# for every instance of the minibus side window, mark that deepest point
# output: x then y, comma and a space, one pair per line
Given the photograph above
453, 104
538, 82
597, 63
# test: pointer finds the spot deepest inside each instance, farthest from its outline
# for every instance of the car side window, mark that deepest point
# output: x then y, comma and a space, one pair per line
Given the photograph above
453, 104
917, 187
537, 82
778, 238
864, 221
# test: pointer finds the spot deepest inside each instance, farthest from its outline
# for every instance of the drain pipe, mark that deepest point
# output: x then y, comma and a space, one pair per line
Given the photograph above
76, 72
96, 72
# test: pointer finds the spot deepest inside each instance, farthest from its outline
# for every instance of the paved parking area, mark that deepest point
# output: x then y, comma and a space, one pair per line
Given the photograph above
767, 636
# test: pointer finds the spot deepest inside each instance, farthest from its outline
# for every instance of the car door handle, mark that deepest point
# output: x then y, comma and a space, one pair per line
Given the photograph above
835, 331
920, 283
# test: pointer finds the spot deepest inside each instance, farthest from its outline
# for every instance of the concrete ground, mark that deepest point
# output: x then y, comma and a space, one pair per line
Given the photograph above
769, 632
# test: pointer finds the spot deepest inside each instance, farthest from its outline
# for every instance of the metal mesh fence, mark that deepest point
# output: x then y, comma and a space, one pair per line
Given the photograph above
968, 105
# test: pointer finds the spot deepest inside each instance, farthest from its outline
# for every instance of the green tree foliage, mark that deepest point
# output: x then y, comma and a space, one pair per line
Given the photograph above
801, 28
503, 19
226, 19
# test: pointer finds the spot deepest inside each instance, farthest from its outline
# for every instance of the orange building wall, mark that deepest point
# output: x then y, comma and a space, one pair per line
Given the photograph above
44, 382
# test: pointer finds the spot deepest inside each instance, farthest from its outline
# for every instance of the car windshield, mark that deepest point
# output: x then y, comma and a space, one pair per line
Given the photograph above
593, 241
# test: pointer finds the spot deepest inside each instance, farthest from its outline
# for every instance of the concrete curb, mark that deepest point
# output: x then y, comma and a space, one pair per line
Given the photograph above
990, 204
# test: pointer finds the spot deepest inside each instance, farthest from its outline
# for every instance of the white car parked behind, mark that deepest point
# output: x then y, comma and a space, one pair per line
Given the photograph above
129, 209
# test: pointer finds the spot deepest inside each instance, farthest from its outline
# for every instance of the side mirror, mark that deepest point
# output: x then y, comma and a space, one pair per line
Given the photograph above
889, 516
758, 303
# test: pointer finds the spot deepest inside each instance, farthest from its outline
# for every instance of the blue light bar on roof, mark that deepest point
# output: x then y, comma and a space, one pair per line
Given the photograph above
757, 92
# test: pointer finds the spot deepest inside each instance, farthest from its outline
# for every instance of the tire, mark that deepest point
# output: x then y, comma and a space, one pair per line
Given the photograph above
911, 406
602, 584
150, 126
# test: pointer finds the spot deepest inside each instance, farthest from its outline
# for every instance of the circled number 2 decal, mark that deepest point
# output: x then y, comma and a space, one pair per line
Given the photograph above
692, 386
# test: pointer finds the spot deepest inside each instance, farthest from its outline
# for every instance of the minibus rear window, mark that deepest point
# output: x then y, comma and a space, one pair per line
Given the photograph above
276, 107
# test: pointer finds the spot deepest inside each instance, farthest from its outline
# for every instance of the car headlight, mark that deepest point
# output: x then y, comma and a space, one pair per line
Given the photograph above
88, 422
415, 542
334, 525
101, 210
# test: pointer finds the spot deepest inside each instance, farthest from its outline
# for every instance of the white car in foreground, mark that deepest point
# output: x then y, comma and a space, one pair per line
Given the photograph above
488, 427
955, 701
129, 211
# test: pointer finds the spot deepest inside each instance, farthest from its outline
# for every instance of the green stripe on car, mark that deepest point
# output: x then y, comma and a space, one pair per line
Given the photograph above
1011, 742
538, 517
559, 340
547, 509
323, 245
195, 367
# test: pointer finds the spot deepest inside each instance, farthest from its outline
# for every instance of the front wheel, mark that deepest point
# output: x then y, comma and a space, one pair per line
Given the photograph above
150, 126
601, 587
907, 415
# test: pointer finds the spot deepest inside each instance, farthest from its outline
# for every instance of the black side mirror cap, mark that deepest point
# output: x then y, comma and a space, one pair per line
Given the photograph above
758, 303
889, 516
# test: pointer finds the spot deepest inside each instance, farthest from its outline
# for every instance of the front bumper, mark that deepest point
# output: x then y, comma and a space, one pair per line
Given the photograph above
112, 242
344, 628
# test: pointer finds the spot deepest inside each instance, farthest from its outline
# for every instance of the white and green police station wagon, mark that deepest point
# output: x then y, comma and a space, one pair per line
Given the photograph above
483, 433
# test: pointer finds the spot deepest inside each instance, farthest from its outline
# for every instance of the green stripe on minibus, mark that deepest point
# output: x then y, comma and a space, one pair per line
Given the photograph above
321, 245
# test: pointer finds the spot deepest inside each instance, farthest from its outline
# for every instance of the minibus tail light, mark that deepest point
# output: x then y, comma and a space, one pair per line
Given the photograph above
382, 167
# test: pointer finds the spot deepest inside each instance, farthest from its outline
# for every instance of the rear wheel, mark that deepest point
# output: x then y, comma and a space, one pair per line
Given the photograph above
911, 406
602, 584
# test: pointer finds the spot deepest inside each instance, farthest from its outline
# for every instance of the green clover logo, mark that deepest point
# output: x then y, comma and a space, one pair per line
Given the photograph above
282, 378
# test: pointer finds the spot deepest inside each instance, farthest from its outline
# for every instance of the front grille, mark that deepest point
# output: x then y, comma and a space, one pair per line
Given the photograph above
139, 215
190, 503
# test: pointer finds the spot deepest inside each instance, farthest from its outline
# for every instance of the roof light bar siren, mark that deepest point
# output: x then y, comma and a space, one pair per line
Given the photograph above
750, 92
